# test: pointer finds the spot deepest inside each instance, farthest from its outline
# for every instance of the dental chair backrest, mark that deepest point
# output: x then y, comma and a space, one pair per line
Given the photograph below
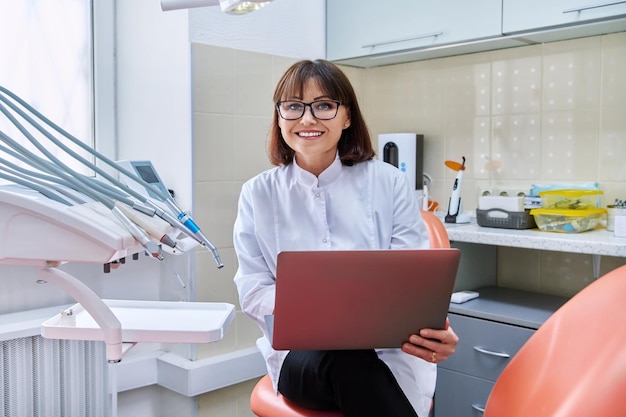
575, 364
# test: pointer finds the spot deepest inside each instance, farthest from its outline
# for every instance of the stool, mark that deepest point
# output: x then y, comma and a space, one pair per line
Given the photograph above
265, 403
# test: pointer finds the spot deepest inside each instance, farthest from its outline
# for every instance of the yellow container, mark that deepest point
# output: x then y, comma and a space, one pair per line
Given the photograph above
568, 221
570, 199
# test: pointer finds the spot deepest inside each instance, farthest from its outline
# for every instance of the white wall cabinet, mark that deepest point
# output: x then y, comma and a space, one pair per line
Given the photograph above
532, 15
357, 28
374, 33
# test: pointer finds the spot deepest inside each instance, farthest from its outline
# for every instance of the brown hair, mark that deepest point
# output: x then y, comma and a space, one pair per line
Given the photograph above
355, 144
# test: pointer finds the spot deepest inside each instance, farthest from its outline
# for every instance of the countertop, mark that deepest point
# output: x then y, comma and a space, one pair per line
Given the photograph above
593, 242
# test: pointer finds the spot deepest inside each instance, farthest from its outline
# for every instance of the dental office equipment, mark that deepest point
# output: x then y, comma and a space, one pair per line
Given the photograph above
455, 207
178, 219
52, 215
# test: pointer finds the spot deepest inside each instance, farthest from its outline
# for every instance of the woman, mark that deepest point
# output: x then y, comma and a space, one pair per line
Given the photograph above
327, 192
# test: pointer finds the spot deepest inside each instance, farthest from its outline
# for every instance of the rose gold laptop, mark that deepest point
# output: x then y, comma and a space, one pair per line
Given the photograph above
360, 299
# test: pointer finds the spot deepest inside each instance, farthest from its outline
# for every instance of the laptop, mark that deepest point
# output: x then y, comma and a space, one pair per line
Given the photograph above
360, 299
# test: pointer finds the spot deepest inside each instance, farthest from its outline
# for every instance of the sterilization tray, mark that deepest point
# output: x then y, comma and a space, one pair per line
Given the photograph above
147, 321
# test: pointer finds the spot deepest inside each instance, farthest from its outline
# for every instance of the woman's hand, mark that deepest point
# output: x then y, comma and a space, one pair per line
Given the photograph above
432, 345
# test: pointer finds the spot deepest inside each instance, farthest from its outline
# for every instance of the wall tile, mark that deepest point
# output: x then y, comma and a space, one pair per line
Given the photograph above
516, 80
613, 65
571, 74
214, 147
251, 134
253, 83
215, 208
612, 157
565, 273
214, 85
569, 145
516, 148
512, 274
467, 85
216, 284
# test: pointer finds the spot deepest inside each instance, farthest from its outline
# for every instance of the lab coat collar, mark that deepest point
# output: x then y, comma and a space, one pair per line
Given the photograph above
328, 176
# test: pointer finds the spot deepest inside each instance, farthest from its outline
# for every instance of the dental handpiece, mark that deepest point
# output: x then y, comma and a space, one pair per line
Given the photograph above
151, 248
155, 227
193, 227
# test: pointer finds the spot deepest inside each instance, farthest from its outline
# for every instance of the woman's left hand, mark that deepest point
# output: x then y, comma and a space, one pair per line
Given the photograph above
432, 345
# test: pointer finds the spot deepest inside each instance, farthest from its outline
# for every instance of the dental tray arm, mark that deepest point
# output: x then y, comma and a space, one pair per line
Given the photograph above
101, 313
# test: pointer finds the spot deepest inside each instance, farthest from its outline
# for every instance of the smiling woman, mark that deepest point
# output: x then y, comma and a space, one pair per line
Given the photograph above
46, 52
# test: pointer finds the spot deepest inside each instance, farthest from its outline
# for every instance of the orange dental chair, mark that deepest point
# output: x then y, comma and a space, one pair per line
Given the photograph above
575, 364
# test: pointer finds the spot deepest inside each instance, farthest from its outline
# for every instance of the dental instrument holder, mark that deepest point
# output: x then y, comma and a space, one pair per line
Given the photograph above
86, 233
455, 214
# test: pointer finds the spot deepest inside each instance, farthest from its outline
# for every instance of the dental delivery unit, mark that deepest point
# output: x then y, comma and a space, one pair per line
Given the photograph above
52, 214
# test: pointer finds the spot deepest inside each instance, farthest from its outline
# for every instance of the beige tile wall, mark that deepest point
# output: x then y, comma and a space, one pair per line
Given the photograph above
535, 114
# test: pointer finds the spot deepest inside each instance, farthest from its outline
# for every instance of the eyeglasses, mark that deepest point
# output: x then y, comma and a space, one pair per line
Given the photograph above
320, 109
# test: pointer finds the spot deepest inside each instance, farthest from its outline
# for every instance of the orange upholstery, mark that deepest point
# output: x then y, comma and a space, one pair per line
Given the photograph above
575, 364
265, 403
437, 233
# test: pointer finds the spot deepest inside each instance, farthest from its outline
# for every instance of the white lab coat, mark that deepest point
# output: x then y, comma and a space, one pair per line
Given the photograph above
365, 206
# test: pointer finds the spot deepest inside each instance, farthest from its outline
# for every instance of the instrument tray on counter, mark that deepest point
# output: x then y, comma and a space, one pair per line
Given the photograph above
505, 219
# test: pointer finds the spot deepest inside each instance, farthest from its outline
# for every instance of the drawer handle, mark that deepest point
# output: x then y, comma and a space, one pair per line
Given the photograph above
428, 35
478, 408
491, 353
592, 6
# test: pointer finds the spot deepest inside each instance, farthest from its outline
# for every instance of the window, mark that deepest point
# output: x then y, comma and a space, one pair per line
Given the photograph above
46, 58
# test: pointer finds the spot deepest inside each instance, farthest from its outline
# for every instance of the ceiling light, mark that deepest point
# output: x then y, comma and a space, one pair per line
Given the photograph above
227, 6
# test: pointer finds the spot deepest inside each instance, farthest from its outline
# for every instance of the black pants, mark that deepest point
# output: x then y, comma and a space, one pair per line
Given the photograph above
353, 381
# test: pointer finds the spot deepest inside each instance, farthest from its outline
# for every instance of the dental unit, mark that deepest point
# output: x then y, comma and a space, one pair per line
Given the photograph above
51, 214
177, 218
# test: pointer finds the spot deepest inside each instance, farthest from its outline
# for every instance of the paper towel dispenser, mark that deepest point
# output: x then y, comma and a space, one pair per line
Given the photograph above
406, 152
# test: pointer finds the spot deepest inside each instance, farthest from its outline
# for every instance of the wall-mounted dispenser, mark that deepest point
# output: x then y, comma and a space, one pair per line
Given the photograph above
406, 152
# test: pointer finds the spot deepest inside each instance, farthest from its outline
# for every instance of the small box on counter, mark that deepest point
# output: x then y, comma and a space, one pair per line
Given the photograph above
504, 219
487, 202
503, 212
568, 221
620, 226
570, 199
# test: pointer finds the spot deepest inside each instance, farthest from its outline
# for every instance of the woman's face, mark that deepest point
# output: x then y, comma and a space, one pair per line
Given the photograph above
313, 140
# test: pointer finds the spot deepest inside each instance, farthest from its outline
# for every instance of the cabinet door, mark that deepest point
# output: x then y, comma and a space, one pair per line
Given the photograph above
358, 28
528, 15
485, 347
460, 395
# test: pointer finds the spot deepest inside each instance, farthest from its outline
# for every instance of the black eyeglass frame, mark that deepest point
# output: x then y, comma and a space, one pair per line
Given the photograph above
310, 105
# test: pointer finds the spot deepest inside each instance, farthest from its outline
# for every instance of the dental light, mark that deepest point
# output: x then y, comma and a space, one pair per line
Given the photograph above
228, 6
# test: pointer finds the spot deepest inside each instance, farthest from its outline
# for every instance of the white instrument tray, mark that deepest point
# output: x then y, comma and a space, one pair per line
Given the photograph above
148, 321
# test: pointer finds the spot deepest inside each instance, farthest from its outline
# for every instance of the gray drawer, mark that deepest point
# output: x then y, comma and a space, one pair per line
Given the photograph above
459, 395
485, 347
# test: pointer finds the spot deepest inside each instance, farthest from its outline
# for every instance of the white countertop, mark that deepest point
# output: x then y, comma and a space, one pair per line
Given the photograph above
593, 242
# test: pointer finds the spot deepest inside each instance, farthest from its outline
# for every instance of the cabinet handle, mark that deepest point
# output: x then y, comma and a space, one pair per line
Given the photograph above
592, 6
491, 353
428, 35
478, 408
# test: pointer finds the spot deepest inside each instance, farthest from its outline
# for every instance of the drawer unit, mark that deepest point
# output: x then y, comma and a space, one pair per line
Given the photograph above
491, 330
485, 347
468, 394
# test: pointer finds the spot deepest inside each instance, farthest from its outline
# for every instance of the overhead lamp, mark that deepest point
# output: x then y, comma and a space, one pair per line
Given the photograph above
227, 6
